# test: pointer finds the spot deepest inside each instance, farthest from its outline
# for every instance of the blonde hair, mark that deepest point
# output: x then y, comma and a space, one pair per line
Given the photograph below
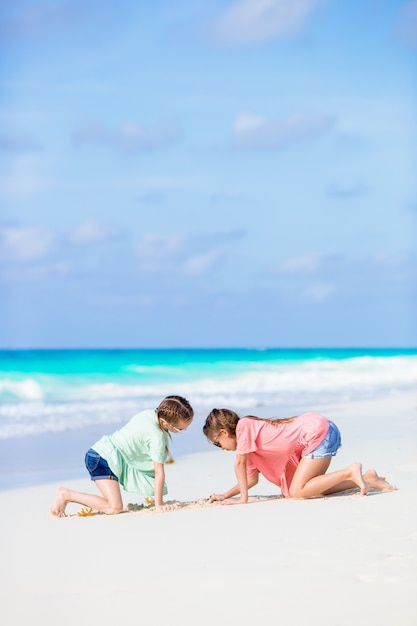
226, 419
174, 410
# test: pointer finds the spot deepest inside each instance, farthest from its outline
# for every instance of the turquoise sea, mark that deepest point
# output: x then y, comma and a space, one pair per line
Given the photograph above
55, 402
56, 390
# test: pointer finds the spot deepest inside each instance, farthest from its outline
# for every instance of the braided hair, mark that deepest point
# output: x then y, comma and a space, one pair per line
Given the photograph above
174, 410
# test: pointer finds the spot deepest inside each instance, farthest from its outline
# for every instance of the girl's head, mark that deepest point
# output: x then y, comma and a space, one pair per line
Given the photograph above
220, 428
174, 413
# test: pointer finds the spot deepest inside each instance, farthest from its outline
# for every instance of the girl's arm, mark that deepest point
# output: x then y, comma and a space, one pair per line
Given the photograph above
159, 483
242, 481
251, 481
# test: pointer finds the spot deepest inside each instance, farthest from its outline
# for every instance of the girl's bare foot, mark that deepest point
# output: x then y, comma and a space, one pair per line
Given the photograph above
60, 502
356, 476
377, 482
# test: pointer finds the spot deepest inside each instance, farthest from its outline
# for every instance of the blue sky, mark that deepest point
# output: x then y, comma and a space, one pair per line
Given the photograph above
208, 173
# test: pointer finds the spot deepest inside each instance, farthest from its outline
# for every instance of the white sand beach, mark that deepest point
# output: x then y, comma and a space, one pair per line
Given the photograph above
344, 560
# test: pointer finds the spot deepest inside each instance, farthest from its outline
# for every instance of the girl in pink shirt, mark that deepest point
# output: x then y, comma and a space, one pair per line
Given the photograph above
292, 453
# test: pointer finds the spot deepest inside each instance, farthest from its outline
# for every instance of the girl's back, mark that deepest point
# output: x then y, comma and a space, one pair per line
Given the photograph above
280, 437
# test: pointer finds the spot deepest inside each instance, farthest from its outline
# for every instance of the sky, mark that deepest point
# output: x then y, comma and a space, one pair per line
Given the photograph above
208, 173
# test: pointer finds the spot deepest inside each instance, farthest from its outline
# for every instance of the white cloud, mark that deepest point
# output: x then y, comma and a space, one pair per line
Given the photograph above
254, 21
131, 137
185, 254
94, 231
22, 245
247, 123
21, 184
318, 293
202, 263
155, 247
304, 264
252, 132
318, 278
35, 272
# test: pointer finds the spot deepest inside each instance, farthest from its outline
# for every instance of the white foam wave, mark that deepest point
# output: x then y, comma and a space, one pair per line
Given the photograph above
27, 389
283, 386
36, 418
364, 374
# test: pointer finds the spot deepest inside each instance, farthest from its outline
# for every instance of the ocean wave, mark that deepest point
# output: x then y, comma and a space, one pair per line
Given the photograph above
36, 418
52, 404
355, 375
27, 389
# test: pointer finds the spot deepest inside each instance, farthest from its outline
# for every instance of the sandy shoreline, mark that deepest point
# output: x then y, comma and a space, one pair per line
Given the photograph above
343, 560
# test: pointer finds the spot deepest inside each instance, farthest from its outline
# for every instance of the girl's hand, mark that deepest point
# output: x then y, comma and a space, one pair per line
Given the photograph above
216, 497
165, 507
234, 501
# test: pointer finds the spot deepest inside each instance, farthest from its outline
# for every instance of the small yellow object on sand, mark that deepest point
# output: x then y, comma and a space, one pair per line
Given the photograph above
149, 501
85, 512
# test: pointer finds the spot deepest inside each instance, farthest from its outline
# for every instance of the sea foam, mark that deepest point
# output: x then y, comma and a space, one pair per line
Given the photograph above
51, 403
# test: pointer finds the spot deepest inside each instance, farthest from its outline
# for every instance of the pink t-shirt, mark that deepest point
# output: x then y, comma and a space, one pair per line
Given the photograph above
275, 450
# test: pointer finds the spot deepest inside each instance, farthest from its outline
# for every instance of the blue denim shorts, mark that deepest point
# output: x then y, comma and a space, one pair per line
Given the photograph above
98, 467
330, 444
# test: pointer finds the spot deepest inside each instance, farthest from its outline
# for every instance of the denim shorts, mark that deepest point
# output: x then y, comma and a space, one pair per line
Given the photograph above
98, 467
329, 446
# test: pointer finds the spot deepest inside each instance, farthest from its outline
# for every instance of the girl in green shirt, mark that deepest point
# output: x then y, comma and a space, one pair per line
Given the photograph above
132, 457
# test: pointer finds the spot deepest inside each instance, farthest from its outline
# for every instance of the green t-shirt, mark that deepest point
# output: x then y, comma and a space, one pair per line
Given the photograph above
130, 452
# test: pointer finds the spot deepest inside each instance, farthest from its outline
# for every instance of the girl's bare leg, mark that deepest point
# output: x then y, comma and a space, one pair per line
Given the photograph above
371, 478
110, 502
377, 482
310, 479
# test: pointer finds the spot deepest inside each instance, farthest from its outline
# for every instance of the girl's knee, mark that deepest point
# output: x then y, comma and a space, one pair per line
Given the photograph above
296, 492
114, 506
115, 509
